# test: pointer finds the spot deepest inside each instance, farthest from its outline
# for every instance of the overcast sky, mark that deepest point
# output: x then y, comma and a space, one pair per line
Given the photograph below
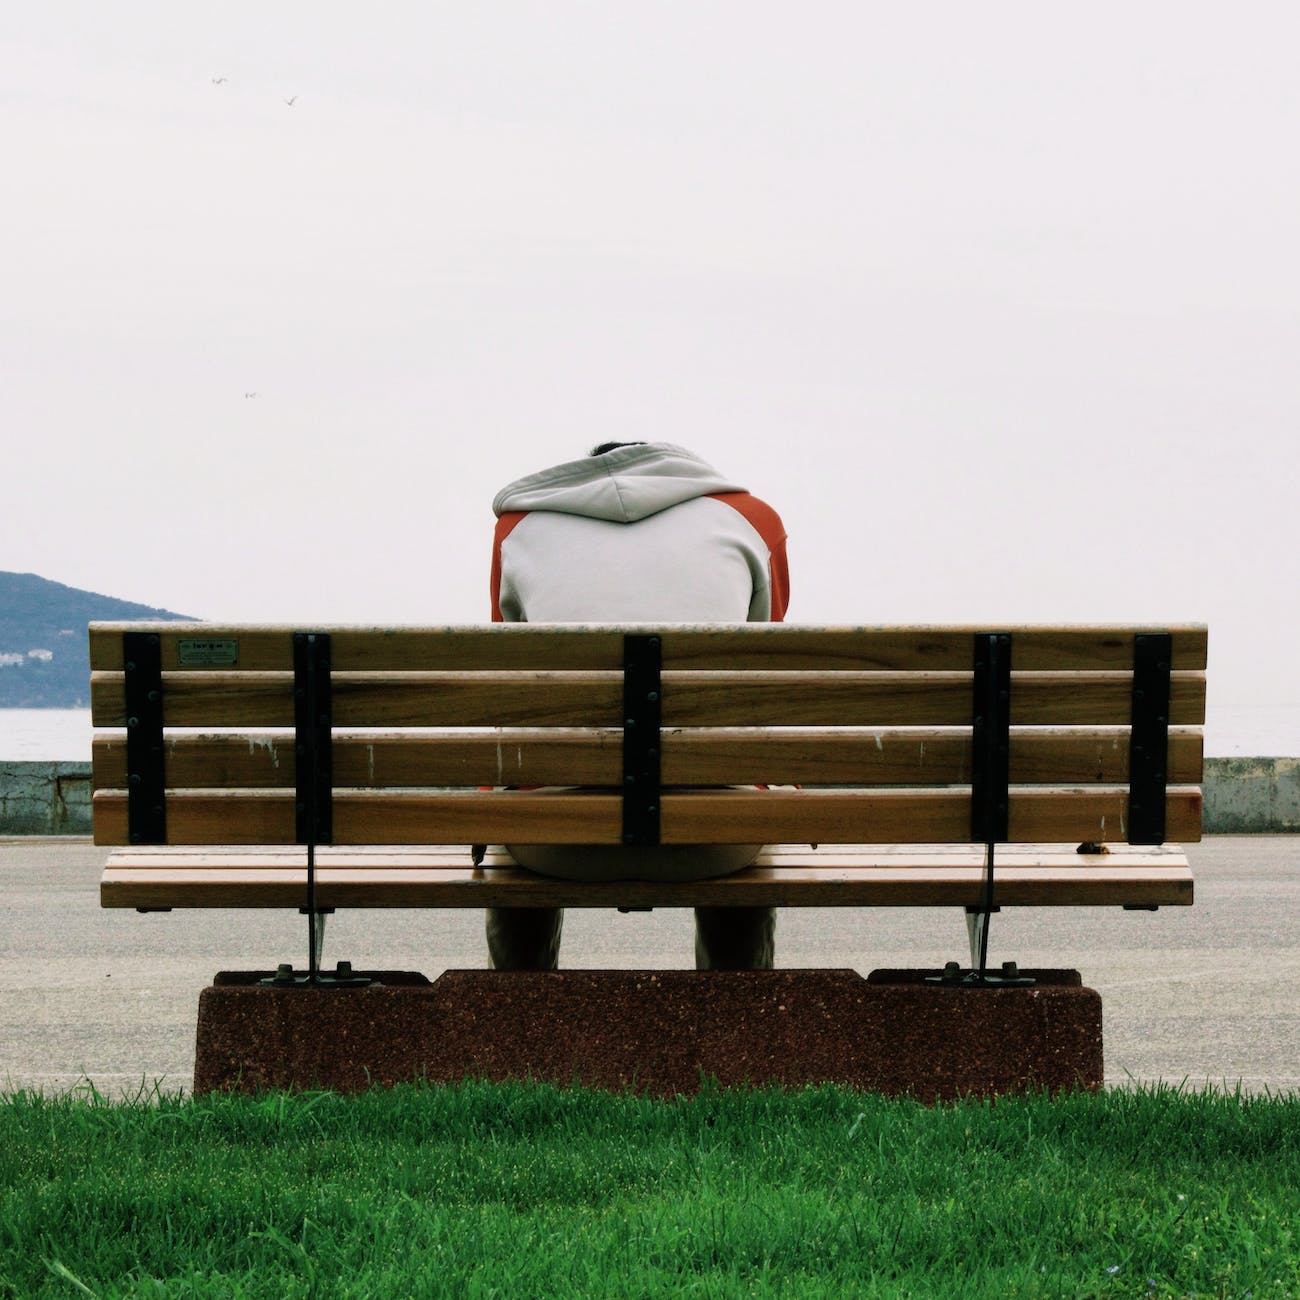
998, 304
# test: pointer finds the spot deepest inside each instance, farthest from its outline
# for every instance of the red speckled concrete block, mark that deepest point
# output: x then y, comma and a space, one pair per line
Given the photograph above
655, 1032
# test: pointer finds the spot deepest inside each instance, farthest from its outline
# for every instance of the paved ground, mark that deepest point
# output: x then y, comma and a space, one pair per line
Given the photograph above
1206, 993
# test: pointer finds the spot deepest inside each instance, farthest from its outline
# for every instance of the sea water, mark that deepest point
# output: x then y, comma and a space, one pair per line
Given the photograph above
45, 735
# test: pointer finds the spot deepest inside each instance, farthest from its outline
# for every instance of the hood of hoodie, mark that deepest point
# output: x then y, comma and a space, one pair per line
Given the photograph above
623, 485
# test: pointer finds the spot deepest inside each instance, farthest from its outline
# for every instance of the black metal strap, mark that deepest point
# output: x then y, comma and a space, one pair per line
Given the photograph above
642, 710
991, 738
1149, 737
990, 800
313, 727
146, 778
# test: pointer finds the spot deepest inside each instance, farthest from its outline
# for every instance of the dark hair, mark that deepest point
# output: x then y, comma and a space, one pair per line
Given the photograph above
612, 446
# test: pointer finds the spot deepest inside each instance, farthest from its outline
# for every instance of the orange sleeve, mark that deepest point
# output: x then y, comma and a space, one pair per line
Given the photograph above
767, 524
505, 526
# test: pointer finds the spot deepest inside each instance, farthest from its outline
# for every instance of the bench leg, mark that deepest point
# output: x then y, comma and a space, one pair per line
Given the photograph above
977, 924
342, 978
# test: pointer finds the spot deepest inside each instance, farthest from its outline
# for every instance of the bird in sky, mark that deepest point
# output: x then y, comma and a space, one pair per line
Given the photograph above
220, 81
290, 101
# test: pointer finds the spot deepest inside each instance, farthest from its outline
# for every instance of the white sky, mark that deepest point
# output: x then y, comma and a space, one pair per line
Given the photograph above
998, 304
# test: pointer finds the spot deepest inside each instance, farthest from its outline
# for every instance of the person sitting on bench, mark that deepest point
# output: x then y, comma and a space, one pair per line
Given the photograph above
635, 532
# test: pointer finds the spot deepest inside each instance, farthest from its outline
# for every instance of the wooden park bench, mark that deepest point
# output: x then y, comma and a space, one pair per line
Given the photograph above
253, 766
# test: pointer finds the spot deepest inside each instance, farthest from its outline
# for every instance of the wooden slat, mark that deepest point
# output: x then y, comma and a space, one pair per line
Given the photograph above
781, 878
267, 760
741, 756
595, 647
929, 756
407, 700
384, 817
705, 817
426, 857
689, 699
912, 816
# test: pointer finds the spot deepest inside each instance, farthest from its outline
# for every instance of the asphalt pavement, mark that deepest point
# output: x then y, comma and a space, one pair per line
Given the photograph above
1206, 994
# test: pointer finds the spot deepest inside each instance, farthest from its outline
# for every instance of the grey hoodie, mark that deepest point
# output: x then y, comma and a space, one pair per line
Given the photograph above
647, 533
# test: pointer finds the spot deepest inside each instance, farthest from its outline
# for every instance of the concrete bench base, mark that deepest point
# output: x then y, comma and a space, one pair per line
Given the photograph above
654, 1032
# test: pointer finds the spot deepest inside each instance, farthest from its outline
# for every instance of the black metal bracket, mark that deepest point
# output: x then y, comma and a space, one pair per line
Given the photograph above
1149, 737
146, 778
314, 821
990, 738
313, 722
990, 803
642, 713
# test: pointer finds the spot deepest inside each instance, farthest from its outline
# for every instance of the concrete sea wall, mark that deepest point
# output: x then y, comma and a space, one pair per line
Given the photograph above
45, 798
1242, 796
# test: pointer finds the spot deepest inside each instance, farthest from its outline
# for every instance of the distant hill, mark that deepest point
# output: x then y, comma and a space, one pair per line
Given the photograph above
44, 659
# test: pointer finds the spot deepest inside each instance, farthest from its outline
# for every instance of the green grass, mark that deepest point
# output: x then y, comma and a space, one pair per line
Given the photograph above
526, 1190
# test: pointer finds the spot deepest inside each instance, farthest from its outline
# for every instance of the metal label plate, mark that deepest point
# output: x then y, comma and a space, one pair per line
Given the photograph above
218, 652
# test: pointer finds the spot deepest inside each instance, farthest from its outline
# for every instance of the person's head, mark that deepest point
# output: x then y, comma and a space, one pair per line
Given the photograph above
612, 446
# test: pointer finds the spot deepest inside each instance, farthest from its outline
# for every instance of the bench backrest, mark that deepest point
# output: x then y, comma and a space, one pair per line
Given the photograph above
259, 735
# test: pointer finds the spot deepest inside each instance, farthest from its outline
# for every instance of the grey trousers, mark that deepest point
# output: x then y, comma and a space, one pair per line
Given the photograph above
726, 938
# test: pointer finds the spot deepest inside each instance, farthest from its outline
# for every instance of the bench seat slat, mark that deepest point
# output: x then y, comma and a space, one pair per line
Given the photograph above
596, 699
576, 647
802, 756
780, 879
431, 857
